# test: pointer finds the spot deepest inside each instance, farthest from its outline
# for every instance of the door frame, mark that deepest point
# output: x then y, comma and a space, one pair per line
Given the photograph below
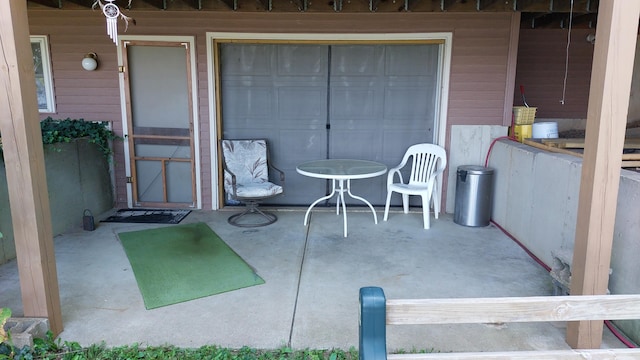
194, 105
442, 98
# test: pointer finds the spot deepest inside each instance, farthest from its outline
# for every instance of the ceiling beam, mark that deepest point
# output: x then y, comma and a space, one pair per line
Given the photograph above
266, 4
592, 5
211, 5
525, 6
578, 5
562, 5
559, 19
408, 4
232, 4
483, 4
49, 3
458, 5
580, 20
160, 4
85, 3
337, 5
532, 5
539, 20
303, 5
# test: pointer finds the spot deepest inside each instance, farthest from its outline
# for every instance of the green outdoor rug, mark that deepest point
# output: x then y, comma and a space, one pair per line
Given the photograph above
184, 262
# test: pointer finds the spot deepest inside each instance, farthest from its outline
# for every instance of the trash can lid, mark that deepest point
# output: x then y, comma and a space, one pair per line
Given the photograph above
475, 169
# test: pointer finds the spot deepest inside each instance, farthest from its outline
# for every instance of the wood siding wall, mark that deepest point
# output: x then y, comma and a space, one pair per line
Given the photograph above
477, 82
542, 56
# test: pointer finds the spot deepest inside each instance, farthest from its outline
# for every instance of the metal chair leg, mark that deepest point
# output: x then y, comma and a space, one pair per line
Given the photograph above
252, 209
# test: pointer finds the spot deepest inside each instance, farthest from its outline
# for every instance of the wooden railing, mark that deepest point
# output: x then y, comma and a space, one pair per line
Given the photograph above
376, 312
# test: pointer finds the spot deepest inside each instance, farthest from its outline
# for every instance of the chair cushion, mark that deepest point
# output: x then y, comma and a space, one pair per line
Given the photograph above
254, 190
247, 159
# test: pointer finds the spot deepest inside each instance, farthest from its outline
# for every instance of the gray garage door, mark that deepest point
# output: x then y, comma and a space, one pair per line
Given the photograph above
330, 101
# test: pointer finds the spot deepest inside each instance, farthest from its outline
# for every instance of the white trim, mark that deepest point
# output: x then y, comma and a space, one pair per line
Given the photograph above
329, 37
443, 96
445, 71
43, 42
194, 103
125, 127
211, 88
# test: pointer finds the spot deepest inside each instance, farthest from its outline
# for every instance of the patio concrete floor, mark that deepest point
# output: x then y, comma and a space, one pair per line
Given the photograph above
312, 274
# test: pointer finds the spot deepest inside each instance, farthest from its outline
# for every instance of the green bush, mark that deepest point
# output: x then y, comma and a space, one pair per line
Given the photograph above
67, 130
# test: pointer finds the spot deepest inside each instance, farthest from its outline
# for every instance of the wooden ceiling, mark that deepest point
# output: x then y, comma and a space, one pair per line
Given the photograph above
535, 13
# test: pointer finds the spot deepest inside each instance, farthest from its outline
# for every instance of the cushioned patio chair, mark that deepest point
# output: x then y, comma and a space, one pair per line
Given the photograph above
428, 161
246, 180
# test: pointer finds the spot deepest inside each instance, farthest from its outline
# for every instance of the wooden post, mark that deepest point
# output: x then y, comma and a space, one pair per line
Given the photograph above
512, 60
606, 123
24, 161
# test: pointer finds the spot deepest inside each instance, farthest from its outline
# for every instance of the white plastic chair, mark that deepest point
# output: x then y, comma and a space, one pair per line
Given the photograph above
428, 161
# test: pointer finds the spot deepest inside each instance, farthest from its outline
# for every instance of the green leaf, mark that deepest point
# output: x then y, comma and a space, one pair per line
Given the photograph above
5, 314
67, 130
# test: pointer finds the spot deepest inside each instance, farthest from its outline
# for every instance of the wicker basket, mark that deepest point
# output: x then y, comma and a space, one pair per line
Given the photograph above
523, 115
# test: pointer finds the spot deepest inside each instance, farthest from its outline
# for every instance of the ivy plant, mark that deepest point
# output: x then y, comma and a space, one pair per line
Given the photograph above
67, 130
6, 350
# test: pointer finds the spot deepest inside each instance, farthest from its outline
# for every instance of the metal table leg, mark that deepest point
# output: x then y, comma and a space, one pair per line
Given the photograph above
333, 191
375, 216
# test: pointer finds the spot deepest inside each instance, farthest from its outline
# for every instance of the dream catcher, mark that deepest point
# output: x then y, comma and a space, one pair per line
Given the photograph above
112, 12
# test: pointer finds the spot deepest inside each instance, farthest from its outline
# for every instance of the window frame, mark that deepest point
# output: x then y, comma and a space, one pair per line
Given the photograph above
47, 76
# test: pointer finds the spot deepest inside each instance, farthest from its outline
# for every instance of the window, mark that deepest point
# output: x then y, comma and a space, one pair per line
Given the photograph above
42, 68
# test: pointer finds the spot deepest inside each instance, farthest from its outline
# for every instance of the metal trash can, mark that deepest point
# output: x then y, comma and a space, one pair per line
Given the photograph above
474, 195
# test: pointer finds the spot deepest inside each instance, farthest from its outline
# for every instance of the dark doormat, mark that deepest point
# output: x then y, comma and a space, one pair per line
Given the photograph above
156, 216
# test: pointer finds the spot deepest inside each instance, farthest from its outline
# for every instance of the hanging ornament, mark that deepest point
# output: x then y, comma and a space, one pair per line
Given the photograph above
112, 12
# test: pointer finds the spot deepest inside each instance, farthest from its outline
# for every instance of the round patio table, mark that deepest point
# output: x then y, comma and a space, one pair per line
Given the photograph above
341, 170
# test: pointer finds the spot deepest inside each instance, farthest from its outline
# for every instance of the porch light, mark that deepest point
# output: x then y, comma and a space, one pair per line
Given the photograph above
90, 61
